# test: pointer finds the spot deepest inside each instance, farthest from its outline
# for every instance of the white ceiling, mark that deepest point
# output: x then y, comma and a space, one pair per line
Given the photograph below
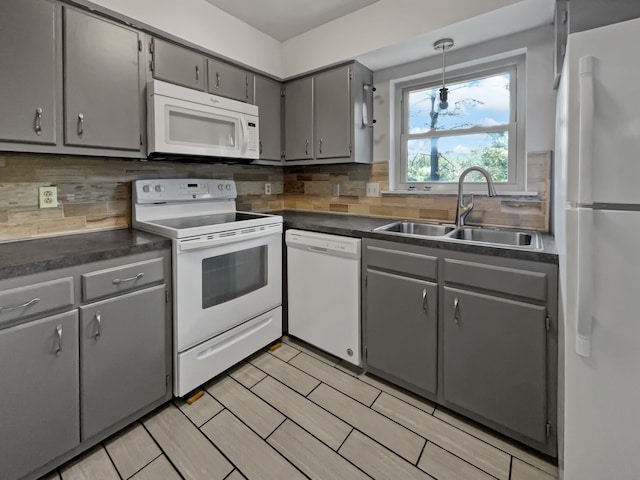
284, 19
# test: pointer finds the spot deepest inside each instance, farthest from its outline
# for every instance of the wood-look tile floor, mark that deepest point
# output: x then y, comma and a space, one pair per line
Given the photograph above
298, 413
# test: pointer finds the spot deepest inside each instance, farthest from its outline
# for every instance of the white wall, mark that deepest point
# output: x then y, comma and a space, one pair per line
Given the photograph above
200, 24
379, 25
540, 96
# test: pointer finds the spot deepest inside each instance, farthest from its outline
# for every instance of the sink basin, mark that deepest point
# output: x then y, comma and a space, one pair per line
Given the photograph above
511, 238
417, 228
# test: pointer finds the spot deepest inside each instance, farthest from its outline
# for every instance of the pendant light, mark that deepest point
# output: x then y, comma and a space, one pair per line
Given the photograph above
443, 44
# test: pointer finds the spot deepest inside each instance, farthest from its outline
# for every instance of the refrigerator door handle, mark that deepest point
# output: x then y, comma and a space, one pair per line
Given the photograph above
583, 281
585, 132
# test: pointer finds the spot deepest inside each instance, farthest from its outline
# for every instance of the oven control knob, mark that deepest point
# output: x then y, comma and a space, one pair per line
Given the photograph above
145, 188
220, 187
228, 187
159, 188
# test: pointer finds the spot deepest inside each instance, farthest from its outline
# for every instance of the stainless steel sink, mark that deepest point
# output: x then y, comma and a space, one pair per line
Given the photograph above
511, 238
417, 228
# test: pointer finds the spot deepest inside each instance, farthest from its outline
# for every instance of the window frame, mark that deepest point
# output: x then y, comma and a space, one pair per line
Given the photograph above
515, 65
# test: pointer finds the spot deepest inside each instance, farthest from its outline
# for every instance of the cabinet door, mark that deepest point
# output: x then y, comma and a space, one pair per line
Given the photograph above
178, 65
123, 355
332, 90
39, 411
27, 71
268, 99
401, 329
101, 86
494, 360
226, 80
298, 119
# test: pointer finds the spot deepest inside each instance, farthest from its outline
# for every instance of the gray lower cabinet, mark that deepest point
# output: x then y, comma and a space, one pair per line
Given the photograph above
226, 80
267, 96
102, 97
407, 352
28, 71
475, 333
495, 360
175, 64
39, 397
122, 352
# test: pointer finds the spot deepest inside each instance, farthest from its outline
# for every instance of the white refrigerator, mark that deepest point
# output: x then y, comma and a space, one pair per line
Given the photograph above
597, 230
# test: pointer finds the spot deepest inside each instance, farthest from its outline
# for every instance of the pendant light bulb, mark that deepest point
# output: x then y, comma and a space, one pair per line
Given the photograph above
443, 45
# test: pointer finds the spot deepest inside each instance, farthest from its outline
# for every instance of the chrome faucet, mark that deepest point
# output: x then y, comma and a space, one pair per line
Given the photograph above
463, 210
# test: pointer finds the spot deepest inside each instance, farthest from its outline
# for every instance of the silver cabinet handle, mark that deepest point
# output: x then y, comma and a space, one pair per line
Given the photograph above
197, 73
99, 325
425, 301
456, 310
320, 146
217, 80
117, 281
59, 334
260, 143
80, 123
367, 105
306, 147
38, 121
33, 301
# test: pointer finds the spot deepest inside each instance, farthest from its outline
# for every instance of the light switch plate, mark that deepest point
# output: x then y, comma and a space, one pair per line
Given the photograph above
48, 197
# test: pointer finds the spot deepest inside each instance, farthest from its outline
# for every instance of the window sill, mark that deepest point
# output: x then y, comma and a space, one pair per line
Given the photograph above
423, 193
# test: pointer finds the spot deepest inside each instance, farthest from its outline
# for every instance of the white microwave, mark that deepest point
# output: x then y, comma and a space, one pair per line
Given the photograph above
186, 122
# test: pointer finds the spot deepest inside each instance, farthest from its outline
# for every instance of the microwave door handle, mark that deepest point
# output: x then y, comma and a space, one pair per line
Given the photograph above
245, 138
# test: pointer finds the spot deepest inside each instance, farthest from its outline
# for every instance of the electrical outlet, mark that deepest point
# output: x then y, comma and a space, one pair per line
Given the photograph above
373, 189
48, 197
336, 189
267, 189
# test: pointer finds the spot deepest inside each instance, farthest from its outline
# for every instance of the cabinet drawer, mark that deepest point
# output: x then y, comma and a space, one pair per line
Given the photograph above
505, 280
38, 298
409, 263
121, 279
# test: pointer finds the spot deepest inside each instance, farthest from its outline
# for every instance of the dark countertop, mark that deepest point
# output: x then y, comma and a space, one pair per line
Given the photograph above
42, 254
361, 226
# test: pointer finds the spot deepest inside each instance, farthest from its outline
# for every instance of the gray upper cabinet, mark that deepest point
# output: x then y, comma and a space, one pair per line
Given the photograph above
175, 64
333, 111
39, 400
298, 119
102, 94
495, 360
406, 352
327, 111
226, 80
28, 71
123, 354
267, 96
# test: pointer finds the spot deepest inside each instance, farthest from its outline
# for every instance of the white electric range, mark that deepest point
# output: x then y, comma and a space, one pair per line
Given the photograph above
227, 273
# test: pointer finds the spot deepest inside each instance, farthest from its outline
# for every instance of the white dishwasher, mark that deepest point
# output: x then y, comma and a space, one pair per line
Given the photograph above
323, 276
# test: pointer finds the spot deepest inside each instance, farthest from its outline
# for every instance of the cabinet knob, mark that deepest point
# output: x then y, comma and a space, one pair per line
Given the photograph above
37, 126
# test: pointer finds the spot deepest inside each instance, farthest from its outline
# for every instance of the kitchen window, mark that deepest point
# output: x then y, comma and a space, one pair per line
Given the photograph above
482, 126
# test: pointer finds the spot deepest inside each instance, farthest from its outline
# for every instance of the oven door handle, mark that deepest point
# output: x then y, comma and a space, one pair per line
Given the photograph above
186, 245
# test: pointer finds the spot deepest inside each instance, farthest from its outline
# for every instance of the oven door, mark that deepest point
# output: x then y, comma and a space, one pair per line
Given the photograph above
220, 286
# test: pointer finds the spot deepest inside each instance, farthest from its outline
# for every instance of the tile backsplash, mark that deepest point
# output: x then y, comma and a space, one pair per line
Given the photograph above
95, 193
311, 188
